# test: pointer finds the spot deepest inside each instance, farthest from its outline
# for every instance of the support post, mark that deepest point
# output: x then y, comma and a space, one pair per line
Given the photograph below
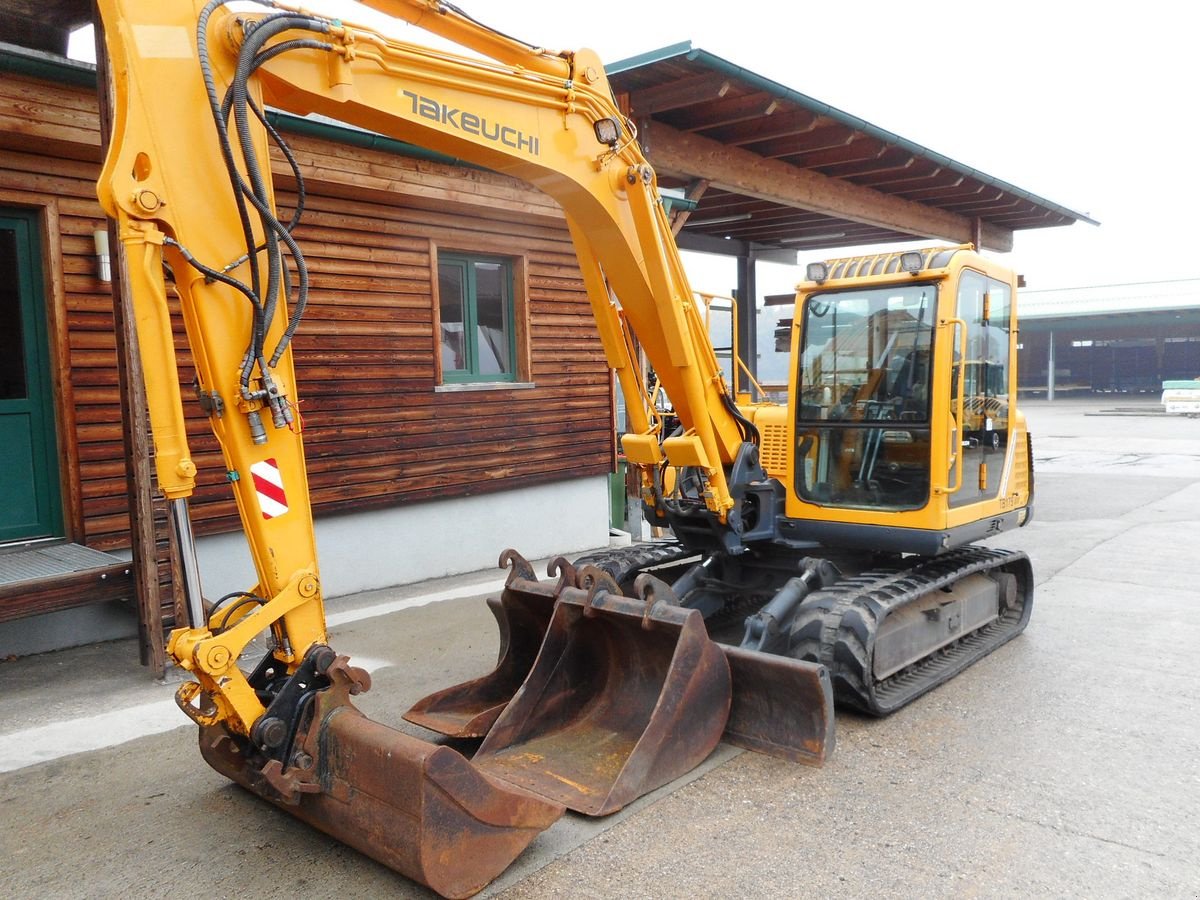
1050, 370
747, 313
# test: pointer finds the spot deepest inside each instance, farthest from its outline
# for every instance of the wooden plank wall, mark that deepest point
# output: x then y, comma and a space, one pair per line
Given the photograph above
377, 431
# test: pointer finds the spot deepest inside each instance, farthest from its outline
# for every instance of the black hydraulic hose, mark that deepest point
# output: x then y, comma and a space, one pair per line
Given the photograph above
210, 87
285, 234
277, 138
749, 430
220, 121
206, 271
274, 231
263, 312
237, 99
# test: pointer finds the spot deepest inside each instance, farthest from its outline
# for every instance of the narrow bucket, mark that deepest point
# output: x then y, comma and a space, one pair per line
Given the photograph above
522, 614
467, 710
782, 707
416, 807
625, 696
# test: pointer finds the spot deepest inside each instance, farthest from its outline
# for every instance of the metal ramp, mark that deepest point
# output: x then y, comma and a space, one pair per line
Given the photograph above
25, 562
47, 576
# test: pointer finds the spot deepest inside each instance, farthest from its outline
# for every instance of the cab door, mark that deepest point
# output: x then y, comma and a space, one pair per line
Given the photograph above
985, 304
30, 505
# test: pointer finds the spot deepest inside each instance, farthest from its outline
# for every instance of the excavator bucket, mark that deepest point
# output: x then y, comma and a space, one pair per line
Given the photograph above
419, 808
782, 707
522, 614
625, 696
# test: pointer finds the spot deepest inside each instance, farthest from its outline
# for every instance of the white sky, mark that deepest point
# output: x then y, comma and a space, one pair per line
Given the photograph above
1092, 106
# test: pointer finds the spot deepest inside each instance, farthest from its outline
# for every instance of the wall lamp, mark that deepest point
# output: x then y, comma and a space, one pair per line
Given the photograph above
103, 259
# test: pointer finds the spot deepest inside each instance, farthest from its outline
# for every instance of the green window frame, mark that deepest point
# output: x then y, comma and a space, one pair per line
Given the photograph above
477, 336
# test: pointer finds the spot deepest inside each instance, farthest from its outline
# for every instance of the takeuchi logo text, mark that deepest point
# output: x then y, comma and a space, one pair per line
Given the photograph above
470, 123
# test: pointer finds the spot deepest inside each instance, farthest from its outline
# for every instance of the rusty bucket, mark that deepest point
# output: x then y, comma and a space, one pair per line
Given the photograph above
522, 614
419, 808
625, 696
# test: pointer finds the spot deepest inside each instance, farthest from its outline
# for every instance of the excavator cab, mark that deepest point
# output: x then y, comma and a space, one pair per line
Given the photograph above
902, 435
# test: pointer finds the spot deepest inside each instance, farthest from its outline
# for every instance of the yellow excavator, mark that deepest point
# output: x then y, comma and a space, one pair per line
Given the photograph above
822, 546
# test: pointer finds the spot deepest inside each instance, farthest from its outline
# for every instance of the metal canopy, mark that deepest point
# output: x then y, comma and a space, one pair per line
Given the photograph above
775, 168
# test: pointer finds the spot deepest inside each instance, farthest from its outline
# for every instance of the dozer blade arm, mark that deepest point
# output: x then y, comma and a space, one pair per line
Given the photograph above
782, 707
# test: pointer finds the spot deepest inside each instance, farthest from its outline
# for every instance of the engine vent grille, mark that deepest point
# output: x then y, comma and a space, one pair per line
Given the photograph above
773, 449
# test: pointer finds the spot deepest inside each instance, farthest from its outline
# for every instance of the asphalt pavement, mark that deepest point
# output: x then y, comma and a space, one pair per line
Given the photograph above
1067, 763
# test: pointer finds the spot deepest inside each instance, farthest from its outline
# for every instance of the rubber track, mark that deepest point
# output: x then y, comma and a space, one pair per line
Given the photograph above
837, 626
624, 563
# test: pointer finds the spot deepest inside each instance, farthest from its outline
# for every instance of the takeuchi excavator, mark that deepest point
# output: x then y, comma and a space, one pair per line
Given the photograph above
824, 545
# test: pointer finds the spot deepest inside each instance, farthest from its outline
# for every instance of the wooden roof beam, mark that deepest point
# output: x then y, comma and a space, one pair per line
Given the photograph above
734, 169
676, 94
789, 124
825, 137
694, 191
891, 160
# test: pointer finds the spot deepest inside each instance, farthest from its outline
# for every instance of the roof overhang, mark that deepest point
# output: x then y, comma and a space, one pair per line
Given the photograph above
771, 167
43, 24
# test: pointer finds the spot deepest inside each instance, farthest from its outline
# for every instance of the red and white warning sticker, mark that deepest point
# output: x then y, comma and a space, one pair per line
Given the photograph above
268, 483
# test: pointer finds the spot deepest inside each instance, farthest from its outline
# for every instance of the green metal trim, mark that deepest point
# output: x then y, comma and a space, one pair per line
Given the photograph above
471, 375
649, 57
692, 54
47, 66
672, 203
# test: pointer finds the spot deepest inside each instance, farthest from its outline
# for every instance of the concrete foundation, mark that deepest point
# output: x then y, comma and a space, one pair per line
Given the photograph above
369, 550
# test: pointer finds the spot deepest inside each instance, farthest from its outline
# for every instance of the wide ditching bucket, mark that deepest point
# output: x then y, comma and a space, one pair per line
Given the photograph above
626, 695
419, 808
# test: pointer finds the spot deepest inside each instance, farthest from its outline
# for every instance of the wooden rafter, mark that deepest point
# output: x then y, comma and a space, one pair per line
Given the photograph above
692, 156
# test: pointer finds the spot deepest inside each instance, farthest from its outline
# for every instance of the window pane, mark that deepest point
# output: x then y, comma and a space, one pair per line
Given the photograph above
862, 436
491, 308
12, 347
866, 354
452, 299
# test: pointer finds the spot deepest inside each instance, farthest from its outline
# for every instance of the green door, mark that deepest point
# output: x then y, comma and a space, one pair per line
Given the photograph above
30, 506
